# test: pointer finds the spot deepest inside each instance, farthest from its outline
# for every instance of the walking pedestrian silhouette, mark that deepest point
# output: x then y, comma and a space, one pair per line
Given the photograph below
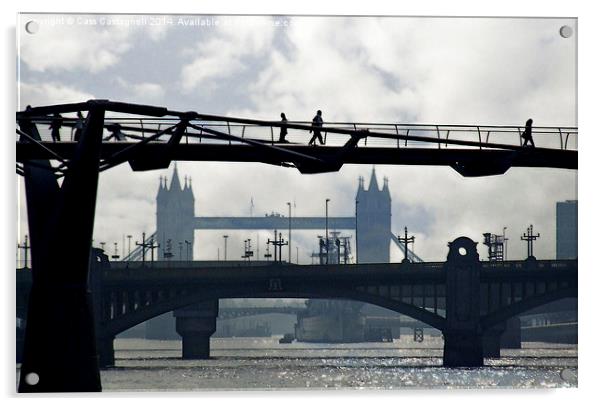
527, 134
317, 122
283, 130
79, 126
116, 133
55, 127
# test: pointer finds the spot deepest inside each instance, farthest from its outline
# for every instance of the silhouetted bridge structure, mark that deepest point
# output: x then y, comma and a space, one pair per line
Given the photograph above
463, 297
60, 322
155, 135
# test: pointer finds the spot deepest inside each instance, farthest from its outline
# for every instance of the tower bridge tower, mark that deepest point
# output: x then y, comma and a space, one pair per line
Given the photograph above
373, 221
175, 222
175, 216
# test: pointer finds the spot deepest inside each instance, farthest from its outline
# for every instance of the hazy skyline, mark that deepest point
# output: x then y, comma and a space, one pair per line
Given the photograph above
496, 71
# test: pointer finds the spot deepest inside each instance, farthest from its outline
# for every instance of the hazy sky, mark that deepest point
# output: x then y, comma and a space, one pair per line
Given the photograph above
497, 71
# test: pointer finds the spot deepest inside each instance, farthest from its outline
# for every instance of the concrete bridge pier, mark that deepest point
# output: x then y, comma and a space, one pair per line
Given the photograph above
19, 345
492, 341
106, 351
463, 348
511, 337
463, 338
195, 324
504, 335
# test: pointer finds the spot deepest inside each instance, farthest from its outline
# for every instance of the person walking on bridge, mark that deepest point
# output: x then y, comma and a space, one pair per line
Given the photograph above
317, 122
55, 127
79, 126
527, 134
283, 130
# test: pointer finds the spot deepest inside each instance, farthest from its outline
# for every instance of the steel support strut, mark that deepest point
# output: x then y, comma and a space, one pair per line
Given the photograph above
60, 350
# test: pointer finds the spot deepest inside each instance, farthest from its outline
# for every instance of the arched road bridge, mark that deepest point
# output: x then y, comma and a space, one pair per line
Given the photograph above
463, 297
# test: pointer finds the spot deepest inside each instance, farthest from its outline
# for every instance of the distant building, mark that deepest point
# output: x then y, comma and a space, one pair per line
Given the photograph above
175, 218
566, 229
175, 235
373, 221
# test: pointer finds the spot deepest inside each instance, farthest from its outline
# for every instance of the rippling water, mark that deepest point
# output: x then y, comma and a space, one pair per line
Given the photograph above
263, 363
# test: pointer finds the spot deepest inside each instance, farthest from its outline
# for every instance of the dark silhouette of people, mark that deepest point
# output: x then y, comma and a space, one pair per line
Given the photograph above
283, 130
527, 134
79, 126
55, 127
116, 133
317, 122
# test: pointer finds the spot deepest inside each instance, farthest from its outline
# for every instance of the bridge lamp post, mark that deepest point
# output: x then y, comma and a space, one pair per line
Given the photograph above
504, 239
327, 200
129, 245
188, 250
115, 255
289, 232
24, 247
225, 247
357, 251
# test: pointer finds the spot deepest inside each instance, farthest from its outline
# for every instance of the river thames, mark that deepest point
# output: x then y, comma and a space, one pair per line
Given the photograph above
263, 364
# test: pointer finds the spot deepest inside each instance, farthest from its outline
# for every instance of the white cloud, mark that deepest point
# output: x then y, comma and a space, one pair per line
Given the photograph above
143, 92
42, 94
222, 55
82, 42
62, 47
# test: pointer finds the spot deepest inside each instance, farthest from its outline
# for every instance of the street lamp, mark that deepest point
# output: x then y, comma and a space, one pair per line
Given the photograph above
357, 250
327, 200
289, 232
225, 247
115, 256
504, 246
129, 244
188, 250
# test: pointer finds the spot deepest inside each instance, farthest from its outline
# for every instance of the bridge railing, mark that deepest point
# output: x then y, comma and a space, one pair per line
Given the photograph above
546, 264
384, 135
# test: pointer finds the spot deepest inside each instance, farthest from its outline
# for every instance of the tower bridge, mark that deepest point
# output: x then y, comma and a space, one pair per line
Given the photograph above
60, 313
176, 220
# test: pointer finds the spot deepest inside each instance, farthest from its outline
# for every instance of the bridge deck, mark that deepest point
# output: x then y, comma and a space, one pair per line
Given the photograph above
273, 222
539, 157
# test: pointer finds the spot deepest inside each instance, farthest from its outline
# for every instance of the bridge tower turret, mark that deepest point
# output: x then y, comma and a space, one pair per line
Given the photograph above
373, 221
175, 215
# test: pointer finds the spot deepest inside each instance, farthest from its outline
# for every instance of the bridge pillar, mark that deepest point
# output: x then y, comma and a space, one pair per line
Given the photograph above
463, 338
59, 353
491, 341
195, 324
511, 337
19, 344
504, 335
106, 351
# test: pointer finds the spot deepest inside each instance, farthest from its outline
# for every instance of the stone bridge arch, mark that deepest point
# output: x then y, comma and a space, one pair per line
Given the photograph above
499, 316
111, 327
